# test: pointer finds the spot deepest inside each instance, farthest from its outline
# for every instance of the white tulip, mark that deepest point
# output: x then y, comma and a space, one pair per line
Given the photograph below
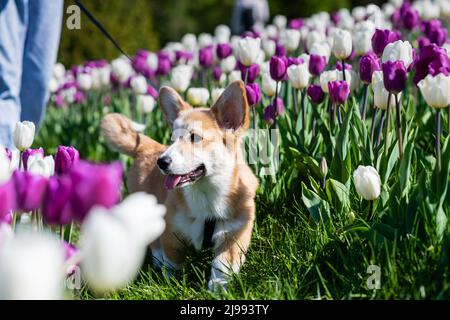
222, 33
139, 85
53, 85
427, 9
152, 61
444, 6
121, 68
280, 22
290, 39
204, 40
398, 50
143, 216
180, 77
234, 76
198, 96
436, 90
138, 127
145, 103
271, 31
315, 37
362, 41
24, 135
342, 44
189, 42
85, 81
228, 64
367, 182
299, 75
321, 49
111, 257
248, 50
31, 267
380, 94
268, 85
41, 166
59, 71
328, 76
269, 47
104, 76
216, 93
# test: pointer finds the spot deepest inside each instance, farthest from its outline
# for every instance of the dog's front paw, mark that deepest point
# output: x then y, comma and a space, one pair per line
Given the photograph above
217, 285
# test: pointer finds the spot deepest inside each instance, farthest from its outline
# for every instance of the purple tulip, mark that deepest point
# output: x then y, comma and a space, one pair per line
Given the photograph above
431, 60
65, 158
278, 67
438, 35
294, 61
217, 73
223, 50
7, 199
410, 17
79, 97
30, 152
346, 66
183, 55
381, 38
59, 101
152, 92
339, 91
422, 42
30, 190
296, 23
280, 50
56, 204
367, 65
335, 18
253, 93
205, 56
9, 153
317, 64
94, 184
315, 93
273, 109
394, 76
8, 218
396, 19
428, 26
252, 73
164, 63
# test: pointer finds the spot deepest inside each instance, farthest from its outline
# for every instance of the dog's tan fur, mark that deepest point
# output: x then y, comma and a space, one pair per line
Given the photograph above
231, 111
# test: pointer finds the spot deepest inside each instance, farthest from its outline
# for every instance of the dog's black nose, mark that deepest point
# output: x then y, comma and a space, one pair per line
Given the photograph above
164, 162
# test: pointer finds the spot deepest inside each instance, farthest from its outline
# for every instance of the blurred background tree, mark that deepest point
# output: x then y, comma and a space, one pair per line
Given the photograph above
152, 23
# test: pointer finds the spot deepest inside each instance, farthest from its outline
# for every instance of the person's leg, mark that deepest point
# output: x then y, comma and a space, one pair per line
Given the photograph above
13, 22
41, 50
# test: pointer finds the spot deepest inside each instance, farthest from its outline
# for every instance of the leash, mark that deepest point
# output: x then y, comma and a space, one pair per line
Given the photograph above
208, 232
100, 27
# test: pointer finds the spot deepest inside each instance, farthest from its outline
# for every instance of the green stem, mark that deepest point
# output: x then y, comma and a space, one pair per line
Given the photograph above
399, 126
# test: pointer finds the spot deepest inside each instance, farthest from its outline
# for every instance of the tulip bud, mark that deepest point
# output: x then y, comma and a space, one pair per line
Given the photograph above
248, 50
85, 81
269, 85
362, 41
273, 110
381, 38
339, 91
367, 65
224, 50
56, 203
145, 103
41, 166
30, 190
7, 198
317, 64
326, 77
139, 85
252, 73
31, 152
31, 267
323, 166
380, 94
24, 135
367, 182
342, 44
198, 96
180, 77
65, 158
228, 64
253, 93
205, 56
394, 76
436, 90
398, 51
315, 93
278, 66
299, 75
290, 39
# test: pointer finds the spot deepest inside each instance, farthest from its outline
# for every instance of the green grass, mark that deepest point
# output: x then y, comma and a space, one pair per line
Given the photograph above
310, 243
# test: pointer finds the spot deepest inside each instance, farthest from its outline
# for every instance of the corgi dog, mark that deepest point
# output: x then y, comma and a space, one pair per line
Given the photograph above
200, 177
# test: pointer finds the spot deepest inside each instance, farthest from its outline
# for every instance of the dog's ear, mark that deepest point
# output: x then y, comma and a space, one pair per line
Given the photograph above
171, 103
231, 109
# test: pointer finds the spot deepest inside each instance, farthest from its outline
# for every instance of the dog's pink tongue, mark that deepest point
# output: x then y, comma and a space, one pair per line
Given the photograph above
171, 181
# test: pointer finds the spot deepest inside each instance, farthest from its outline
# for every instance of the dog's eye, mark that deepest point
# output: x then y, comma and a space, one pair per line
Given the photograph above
195, 138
